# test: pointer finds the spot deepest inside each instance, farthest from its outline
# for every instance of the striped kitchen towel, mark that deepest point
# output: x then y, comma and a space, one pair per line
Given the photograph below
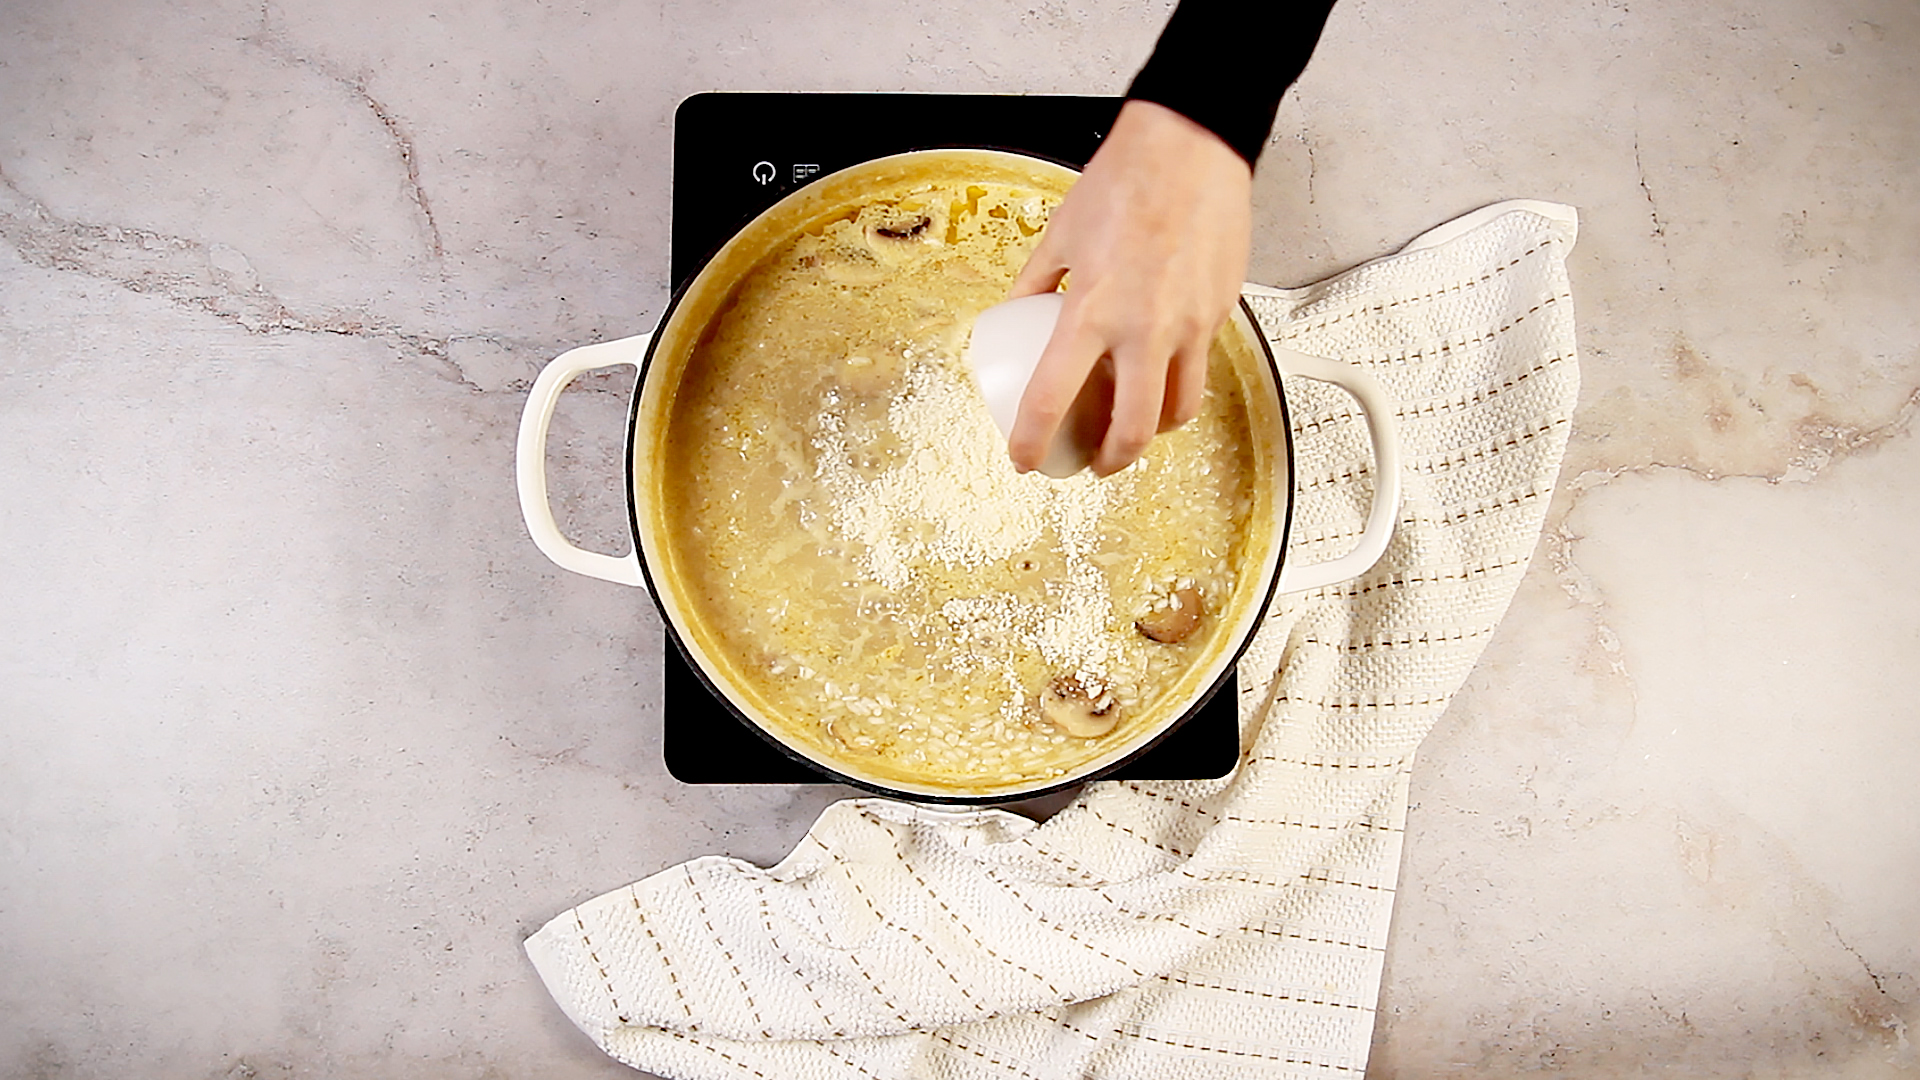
1218, 928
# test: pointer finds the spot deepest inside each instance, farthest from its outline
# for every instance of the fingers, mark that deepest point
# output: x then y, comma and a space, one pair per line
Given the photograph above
1139, 384
1155, 387
1186, 382
1043, 271
1057, 379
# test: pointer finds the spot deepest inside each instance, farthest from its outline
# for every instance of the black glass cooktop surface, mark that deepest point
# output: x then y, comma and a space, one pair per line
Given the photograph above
734, 155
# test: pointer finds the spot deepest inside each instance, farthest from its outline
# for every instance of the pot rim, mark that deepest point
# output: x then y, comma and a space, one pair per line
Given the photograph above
1283, 477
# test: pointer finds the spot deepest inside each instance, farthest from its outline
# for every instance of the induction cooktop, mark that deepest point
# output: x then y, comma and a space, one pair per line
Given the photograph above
734, 155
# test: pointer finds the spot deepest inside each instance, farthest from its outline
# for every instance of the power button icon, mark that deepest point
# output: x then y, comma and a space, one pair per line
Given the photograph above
764, 172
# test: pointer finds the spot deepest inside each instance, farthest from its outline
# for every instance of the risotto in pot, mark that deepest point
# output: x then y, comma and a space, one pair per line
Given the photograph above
863, 556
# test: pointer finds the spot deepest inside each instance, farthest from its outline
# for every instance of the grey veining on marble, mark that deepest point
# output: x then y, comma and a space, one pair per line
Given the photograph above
299, 735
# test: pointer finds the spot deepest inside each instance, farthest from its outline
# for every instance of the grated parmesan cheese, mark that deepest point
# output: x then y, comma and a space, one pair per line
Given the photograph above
954, 499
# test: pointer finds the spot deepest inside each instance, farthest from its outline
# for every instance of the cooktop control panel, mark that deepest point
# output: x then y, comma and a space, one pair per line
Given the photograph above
734, 155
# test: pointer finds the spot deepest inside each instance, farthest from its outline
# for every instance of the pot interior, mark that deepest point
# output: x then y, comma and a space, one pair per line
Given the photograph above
679, 576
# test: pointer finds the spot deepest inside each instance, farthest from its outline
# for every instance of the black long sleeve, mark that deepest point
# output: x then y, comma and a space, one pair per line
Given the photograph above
1225, 63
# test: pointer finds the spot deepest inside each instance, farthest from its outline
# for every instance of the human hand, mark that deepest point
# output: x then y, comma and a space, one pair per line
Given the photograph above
1156, 234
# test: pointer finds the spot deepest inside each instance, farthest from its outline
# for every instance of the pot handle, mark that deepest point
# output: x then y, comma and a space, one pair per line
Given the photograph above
1378, 409
530, 459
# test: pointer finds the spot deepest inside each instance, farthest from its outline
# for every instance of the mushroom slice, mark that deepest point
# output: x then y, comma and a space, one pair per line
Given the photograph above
904, 228
893, 237
1178, 620
1069, 706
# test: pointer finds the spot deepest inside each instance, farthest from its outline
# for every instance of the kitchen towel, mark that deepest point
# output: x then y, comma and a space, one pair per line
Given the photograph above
1219, 928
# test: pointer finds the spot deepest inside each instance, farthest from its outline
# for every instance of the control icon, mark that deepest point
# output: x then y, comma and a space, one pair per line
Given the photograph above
764, 172
801, 172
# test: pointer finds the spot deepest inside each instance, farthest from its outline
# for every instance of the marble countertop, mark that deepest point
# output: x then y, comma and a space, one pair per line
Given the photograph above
299, 735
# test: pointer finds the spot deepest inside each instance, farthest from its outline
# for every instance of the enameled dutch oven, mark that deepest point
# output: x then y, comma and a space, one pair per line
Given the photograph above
663, 355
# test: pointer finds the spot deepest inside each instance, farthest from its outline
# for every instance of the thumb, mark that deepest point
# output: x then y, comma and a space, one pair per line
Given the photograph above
1043, 271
